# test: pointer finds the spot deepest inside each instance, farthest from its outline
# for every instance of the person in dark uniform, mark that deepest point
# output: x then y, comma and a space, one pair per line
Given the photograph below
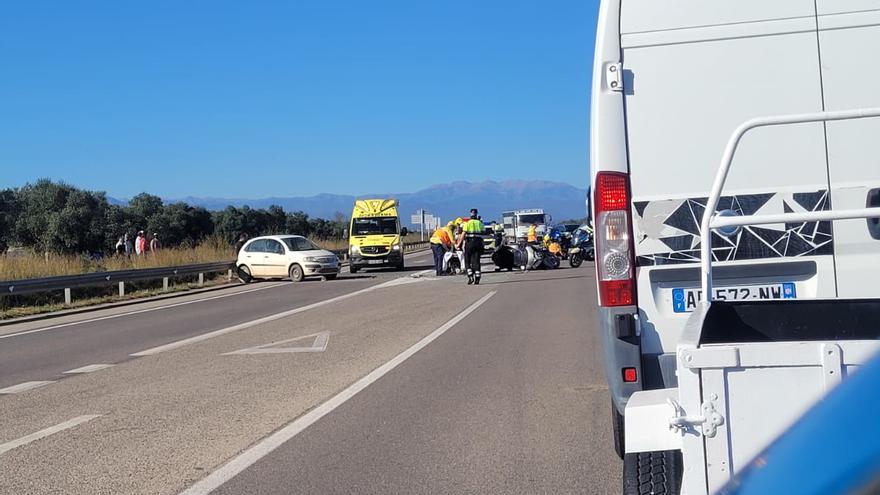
473, 246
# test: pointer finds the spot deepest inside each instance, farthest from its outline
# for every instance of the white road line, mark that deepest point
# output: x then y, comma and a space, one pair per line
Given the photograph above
89, 369
319, 343
22, 387
6, 447
272, 442
130, 313
259, 321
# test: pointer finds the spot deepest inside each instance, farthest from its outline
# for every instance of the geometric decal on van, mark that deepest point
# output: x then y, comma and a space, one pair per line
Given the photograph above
669, 230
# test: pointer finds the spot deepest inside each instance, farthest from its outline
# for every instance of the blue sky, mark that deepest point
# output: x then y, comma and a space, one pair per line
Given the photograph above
291, 98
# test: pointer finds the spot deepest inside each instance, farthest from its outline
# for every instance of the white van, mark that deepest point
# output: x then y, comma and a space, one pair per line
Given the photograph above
671, 81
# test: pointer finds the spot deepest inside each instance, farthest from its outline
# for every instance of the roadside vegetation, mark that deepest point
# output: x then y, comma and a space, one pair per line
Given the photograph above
57, 218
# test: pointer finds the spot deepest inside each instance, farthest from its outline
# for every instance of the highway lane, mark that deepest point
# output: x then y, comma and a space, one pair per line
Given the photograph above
112, 336
508, 397
512, 400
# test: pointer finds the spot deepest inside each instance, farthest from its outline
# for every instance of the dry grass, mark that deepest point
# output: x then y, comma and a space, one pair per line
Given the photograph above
23, 265
26, 264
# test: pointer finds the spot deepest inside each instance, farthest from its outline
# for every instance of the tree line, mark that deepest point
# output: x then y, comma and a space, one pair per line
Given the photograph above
55, 217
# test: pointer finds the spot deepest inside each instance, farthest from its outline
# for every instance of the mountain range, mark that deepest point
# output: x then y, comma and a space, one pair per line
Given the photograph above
562, 201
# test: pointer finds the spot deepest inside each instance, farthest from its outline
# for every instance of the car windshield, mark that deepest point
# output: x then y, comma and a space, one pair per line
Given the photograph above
374, 225
530, 219
299, 244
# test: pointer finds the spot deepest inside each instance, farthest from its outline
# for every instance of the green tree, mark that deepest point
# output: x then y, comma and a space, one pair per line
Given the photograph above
8, 216
298, 223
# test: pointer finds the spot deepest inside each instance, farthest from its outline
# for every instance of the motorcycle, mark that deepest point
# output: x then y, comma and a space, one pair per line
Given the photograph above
582, 248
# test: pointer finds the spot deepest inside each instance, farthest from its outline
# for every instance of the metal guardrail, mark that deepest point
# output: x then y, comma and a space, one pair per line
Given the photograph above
68, 282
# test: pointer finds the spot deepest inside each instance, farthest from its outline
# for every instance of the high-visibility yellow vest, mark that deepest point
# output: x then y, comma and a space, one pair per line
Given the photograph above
533, 234
473, 226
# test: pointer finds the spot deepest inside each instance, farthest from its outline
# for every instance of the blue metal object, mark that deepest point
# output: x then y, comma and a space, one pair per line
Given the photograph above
834, 449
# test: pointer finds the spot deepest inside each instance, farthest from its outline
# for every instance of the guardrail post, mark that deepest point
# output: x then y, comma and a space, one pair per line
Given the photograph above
165, 284
201, 279
229, 275
67, 298
121, 289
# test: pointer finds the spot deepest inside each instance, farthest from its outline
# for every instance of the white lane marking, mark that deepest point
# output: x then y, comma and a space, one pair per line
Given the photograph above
6, 447
317, 343
272, 442
130, 313
89, 369
259, 321
22, 387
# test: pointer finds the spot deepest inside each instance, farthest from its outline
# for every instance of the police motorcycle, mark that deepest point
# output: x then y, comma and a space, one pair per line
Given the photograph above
581, 247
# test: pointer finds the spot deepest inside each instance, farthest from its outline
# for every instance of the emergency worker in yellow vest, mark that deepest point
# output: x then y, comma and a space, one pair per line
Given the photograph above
473, 246
532, 235
440, 243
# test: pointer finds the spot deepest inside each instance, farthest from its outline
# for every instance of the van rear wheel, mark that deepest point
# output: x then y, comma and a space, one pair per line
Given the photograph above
656, 472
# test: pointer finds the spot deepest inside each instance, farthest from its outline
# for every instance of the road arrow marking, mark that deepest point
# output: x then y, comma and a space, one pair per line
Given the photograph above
317, 343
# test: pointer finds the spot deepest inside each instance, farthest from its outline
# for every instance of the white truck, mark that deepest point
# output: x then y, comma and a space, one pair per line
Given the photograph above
517, 222
671, 81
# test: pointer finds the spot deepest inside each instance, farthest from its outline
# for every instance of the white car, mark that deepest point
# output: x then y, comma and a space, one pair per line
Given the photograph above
279, 256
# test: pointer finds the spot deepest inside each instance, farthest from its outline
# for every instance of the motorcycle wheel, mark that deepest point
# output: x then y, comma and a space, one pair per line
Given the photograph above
575, 260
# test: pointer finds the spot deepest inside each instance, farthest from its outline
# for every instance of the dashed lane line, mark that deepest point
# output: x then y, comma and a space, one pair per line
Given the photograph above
23, 387
266, 446
14, 444
88, 369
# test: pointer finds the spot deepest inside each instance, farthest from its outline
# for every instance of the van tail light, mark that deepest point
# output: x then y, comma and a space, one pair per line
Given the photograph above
614, 240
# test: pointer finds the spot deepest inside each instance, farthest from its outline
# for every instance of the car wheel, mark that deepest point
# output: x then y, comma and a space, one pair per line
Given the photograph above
296, 273
652, 472
330, 277
353, 268
244, 274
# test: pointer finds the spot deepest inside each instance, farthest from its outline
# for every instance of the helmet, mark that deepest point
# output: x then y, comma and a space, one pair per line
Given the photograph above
458, 221
556, 234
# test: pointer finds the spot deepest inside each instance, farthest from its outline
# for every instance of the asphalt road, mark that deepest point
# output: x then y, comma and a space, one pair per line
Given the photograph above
395, 383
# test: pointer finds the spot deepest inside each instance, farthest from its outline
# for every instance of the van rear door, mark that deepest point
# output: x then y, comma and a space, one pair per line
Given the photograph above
848, 32
693, 71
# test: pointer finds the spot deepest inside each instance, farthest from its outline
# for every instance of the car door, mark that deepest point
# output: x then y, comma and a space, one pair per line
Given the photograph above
849, 31
252, 256
275, 259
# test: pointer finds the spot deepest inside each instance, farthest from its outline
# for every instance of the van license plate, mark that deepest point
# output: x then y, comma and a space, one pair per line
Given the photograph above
375, 262
685, 300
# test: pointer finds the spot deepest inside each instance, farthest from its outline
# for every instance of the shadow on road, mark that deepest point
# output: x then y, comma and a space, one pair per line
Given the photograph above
487, 280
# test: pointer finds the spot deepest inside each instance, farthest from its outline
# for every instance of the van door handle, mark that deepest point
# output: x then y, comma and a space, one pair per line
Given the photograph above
873, 223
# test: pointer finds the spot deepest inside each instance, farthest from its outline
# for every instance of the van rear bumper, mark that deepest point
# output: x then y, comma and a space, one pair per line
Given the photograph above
618, 353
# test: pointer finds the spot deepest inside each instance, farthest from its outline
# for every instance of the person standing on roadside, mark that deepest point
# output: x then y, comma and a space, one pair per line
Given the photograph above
140, 243
242, 239
120, 246
440, 244
154, 243
129, 247
473, 246
532, 235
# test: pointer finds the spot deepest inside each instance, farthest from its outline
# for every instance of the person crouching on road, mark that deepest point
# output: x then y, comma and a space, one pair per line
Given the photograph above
473, 246
440, 243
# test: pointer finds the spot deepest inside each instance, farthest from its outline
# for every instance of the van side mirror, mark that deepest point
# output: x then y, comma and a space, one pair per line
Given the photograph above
345, 233
404, 232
